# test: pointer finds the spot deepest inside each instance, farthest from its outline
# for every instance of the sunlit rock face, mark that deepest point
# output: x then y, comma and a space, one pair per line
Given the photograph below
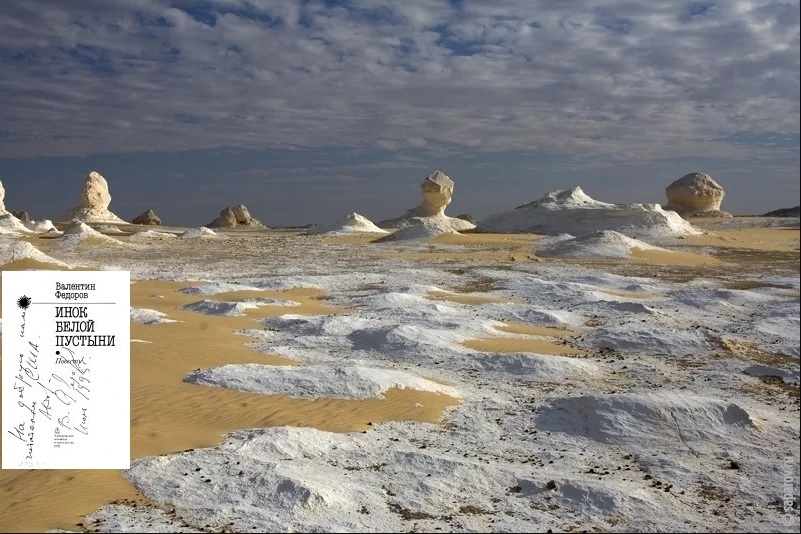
695, 195
227, 219
94, 203
437, 192
236, 217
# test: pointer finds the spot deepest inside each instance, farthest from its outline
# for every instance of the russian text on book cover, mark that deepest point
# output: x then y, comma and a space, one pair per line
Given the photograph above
66, 370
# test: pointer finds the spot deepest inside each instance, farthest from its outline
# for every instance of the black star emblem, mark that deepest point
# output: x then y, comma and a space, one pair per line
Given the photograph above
23, 302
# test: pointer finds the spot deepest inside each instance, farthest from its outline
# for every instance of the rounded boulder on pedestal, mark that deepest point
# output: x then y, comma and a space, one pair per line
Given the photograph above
437, 191
697, 195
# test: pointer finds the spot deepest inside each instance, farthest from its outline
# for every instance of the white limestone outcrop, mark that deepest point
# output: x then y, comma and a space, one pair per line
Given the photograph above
353, 223
572, 211
437, 191
695, 195
95, 200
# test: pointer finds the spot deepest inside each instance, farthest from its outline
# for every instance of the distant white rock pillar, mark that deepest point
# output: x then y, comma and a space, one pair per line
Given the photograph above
95, 193
2, 199
95, 200
437, 191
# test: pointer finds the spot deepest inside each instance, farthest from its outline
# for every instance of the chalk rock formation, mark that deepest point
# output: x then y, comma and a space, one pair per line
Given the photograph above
95, 200
419, 229
149, 217
40, 227
352, 223
78, 234
79, 227
574, 212
227, 219
601, 244
242, 214
437, 191
20, 222
23, 250
23, 216
784, 212
236, 217
2, 199
11, 224
201, 232
467, 217
695, 195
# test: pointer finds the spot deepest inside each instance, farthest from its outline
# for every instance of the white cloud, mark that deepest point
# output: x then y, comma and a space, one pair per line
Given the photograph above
629, 79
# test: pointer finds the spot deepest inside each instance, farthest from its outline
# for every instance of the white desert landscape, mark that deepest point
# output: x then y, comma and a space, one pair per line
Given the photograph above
570, 365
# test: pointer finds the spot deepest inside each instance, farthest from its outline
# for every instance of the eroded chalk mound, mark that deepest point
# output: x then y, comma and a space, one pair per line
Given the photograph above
216, 287
148, 316
40, 227
80, 228
213, 307
353, 223
13, 225
419, 229
645, 418
202, 231
601, 244
574, 212
23, 251
79, 233
95, 200
150, 236
315, 381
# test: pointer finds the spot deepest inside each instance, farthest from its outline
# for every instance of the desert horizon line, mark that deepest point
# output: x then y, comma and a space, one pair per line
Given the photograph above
239, 211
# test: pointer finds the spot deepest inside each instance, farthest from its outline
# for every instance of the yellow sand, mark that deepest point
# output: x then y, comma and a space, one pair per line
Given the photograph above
539, 344
671, 257
352, 239
169, 415
488, 240
514, 344
533, 330
774, 239
29, 265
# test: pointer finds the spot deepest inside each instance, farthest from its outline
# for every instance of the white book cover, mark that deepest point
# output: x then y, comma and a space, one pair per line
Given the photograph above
66, 384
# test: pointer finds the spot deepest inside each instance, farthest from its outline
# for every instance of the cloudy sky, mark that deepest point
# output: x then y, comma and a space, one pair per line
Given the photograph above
306, 110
